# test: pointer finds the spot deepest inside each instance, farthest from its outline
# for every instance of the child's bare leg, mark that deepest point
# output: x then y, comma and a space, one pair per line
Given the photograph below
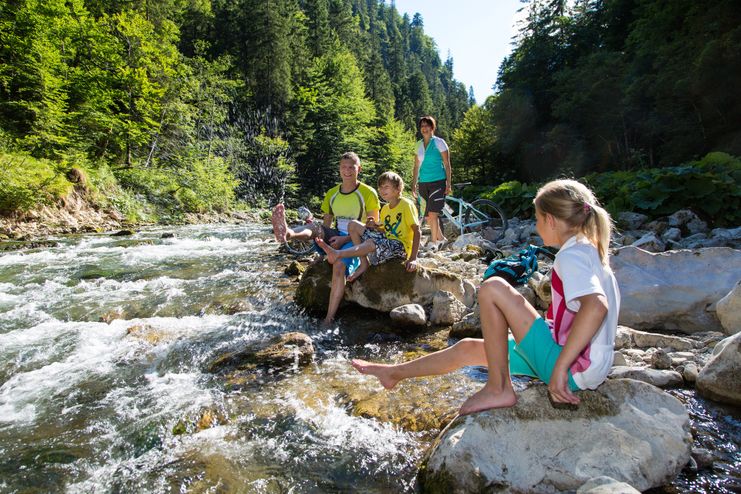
336, 292
355, 251
501, 307
468, 351
356, 229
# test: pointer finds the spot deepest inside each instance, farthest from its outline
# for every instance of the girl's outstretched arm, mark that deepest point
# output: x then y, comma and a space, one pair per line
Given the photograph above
592, 311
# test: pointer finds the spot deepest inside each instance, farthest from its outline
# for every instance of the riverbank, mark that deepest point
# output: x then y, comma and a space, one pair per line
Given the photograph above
76, 215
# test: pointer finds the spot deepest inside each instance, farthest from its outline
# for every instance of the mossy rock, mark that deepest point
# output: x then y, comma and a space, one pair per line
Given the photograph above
383, 287
313, 289
278, 352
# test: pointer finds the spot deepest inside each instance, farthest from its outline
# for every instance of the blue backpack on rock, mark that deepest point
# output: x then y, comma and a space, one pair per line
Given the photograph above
518, 268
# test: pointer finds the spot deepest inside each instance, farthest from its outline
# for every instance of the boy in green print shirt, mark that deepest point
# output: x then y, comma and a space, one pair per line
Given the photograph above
396, 237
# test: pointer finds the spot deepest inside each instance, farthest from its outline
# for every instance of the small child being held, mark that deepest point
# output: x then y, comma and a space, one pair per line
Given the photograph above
396, 237
570, 350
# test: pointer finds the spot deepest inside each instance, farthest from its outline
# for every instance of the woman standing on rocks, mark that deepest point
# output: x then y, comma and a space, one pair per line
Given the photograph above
431, 177
573, 348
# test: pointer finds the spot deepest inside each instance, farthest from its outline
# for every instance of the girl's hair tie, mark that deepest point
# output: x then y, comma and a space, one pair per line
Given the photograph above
587, 208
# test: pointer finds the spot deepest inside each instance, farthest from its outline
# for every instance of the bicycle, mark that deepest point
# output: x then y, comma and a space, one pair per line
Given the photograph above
481, 215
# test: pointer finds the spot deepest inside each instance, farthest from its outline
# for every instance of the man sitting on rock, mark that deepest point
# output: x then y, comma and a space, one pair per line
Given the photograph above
351, 200
397, 236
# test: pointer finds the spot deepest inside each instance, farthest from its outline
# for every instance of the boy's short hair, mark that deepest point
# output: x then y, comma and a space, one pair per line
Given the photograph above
350, 156
429, 120
392, 178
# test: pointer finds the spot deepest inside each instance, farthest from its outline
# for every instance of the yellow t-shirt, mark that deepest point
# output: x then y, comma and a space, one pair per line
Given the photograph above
349, 206
397, 223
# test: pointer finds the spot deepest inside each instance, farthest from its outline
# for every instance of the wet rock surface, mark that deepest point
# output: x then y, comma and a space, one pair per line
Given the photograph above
626, 429
288, 349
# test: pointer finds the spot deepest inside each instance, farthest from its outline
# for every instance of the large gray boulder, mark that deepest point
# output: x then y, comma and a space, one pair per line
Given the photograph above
627, 430
729, 310
672, 290
720, 379
384, 287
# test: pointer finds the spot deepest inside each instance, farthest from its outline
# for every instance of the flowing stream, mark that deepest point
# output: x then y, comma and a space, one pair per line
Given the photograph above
103, 346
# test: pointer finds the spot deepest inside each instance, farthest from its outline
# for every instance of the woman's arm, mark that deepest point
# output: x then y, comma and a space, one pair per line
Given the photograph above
592, 311
448, 172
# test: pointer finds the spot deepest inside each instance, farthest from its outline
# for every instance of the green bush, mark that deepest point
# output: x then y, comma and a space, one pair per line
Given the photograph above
709, 187
514, 197
196, 187
26, 182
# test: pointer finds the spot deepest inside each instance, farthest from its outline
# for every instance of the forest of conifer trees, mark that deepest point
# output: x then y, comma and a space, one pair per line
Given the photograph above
189, 105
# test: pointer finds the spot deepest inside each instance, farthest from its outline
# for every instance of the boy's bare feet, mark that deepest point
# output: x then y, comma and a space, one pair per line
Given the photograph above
280, 227
383, 372
486, 399
332, 255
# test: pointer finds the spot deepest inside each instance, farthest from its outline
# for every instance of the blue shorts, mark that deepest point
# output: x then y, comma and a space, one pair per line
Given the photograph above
536, 354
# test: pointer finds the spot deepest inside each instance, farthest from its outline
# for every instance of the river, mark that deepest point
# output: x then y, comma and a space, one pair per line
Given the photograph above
126, 405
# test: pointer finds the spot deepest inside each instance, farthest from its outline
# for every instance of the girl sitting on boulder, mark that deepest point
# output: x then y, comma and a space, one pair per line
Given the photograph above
570, 350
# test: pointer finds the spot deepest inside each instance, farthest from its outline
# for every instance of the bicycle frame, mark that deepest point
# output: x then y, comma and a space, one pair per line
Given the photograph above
457, 218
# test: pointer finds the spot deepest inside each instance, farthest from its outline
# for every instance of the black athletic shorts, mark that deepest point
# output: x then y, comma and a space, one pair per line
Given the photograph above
434, 195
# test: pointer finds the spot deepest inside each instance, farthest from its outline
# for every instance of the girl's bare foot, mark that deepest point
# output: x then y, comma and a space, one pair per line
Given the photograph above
486, 399
383, 372
332, 254
278, 219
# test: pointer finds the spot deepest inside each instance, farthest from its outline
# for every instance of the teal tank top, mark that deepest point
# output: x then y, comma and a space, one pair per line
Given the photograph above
431, 168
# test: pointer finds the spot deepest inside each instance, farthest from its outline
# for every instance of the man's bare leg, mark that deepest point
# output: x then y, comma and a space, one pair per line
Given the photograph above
278, 219
355, 251
283, 232
336, 292
468, 351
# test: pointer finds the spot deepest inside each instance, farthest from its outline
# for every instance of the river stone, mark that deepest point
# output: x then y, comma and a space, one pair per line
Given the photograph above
661, 360
409, 315
681, 218
468, 327
626, 429
655, 377
719, 378
672, 234
383, 287
623, 337
279, 351
446, 309
650, 242
690, 372
643, 339
631, 221
606, 485
672, 290
729, 310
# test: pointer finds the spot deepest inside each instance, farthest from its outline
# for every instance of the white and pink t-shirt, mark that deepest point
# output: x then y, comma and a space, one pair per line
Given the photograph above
577, 271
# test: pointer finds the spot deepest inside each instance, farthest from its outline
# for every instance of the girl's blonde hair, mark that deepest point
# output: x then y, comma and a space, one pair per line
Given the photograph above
573, 203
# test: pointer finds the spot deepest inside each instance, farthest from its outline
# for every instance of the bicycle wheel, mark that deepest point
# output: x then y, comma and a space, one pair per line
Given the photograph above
299, 247
487, 217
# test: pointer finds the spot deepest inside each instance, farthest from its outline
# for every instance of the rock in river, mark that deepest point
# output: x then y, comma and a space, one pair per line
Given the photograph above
626, 429
383, 287
280, 351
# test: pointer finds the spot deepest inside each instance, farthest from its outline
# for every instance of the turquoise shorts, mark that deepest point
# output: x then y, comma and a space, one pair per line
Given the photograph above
536, 354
